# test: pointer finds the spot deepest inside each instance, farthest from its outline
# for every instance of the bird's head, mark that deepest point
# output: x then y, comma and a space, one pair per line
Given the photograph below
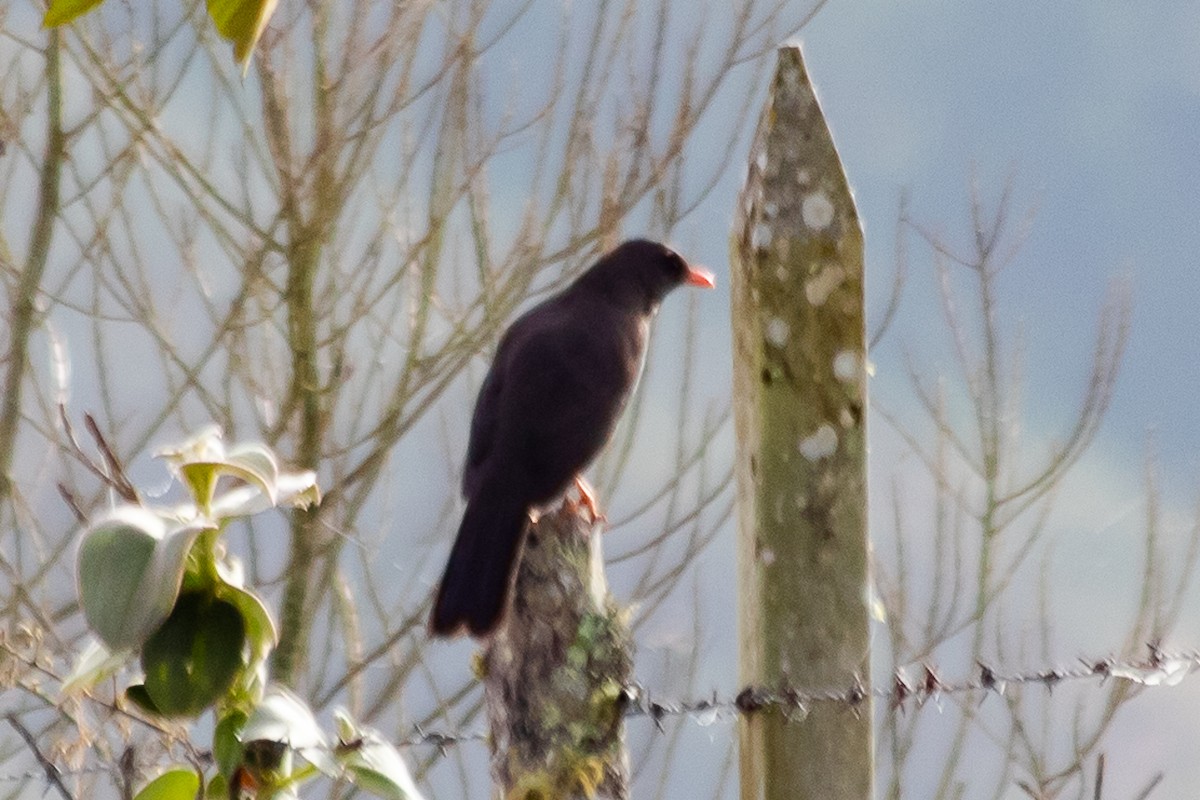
639, 273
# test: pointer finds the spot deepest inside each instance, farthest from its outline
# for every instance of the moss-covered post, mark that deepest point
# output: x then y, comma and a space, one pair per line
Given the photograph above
799, 402
554, 673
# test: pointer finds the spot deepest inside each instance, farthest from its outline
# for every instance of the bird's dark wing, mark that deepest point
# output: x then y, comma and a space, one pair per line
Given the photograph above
483, 428
487, 404
564, 382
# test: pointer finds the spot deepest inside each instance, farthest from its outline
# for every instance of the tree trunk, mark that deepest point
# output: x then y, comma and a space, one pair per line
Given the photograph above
556, 670
799, 405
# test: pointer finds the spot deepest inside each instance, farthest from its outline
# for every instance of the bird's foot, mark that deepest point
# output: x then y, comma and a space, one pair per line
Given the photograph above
587, 499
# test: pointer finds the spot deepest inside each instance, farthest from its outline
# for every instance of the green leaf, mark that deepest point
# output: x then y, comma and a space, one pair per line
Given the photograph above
241, 22
202, 476
371, 762
194, 461
138, 695
201, 461
194, 657
217, 788
129, 570
284, 718
227, 742
289, 791
296, 489
260, 627
114, 556
61, 12
256, 463
201, 479
94, 664
175, 784
205, 445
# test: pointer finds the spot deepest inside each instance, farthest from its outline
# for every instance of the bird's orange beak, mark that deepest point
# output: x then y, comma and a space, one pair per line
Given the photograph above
699, 276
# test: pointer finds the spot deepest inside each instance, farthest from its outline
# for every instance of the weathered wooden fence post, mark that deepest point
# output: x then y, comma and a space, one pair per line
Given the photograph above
556, 670
800, 408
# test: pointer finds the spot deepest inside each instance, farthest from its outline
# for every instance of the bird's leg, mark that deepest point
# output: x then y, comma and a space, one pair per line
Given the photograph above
587, 498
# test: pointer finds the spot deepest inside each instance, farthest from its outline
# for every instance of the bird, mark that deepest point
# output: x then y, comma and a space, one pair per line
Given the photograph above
560, 377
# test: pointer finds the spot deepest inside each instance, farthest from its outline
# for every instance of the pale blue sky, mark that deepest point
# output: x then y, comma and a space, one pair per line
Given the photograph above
1095, 108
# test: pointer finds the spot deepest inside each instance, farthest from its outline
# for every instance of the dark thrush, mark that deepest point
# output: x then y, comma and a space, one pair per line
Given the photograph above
551, 399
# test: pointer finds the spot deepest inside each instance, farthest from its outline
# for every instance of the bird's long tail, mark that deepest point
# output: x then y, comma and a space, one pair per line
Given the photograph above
475, 587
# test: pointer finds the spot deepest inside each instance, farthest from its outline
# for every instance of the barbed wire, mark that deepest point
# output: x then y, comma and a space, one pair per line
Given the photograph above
917, 684
1157, 668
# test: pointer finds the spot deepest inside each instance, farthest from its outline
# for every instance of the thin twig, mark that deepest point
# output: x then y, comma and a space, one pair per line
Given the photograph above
122, 483
114, 478
53, 776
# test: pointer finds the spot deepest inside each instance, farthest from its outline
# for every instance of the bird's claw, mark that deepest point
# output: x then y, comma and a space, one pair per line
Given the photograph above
587, 499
